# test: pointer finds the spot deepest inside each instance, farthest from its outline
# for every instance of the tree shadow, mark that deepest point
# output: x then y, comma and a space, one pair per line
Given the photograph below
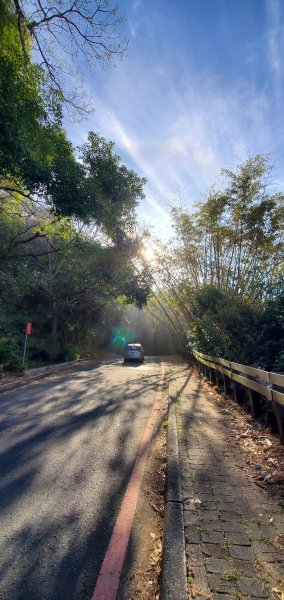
219, 504
65, 460
132, 364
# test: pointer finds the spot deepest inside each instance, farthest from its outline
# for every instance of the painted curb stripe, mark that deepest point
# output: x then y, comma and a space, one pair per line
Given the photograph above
108, 579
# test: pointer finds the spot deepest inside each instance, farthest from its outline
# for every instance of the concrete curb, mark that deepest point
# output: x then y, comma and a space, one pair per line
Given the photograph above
173, 576
33, 374
29, 372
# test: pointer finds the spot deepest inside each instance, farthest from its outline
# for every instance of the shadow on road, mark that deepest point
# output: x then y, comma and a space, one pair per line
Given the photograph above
53, 536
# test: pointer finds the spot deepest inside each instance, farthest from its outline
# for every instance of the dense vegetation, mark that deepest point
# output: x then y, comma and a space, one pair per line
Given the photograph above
221, 278
68, 234
70, 249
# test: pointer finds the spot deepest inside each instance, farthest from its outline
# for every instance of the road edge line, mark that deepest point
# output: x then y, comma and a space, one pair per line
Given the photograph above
109, 577
173, 584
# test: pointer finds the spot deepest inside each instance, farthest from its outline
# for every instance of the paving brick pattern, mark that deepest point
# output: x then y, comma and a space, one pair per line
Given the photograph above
233, 550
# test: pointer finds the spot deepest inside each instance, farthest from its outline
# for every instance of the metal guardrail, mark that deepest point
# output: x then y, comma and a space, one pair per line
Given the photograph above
257, 382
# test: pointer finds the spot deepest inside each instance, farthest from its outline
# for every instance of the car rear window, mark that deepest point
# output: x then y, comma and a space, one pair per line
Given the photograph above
133, 347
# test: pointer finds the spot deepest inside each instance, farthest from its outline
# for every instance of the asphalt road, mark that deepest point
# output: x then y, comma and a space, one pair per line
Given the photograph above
67, 448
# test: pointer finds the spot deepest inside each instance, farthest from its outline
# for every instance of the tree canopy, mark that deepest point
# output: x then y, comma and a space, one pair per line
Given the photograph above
68, 232
221, 277
70, 247
37, 160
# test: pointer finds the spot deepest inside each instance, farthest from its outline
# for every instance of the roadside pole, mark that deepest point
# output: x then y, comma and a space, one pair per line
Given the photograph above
28, 332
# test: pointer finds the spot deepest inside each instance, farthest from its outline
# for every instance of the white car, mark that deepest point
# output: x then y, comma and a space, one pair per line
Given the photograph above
134, 352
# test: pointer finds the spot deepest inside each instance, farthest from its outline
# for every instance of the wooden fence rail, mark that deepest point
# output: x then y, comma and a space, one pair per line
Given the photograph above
258, 385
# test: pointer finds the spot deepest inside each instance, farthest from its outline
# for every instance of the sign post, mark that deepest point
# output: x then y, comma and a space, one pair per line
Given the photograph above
28, 332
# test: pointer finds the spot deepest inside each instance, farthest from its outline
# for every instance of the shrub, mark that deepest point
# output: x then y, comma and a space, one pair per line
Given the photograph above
224, 325
72, 354
9, 355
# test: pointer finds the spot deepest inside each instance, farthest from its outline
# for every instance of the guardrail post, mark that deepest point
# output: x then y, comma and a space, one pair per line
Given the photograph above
226, 382
218, 377
278, 411
238, 392
254, 403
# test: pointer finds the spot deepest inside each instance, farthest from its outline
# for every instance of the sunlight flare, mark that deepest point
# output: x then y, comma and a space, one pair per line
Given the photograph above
149, 253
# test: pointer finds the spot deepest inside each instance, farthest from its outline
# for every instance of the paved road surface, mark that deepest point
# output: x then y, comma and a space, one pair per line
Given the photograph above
67, 448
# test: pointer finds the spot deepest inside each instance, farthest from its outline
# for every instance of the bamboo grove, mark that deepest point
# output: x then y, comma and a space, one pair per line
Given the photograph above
220, 280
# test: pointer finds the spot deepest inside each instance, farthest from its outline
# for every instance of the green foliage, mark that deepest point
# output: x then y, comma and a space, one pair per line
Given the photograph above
221, 277
236, 329
234, 240
111, 190
27, 115
271, 326
224, 325
35, 156
72, 354
72, 295
232, 575
67, 283
9, 355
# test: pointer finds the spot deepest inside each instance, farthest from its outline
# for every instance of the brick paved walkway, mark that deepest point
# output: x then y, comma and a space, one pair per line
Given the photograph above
233, 550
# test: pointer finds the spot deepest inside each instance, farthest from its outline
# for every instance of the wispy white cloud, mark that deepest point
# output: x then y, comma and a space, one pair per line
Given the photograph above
132, 21
275, 37
178, 127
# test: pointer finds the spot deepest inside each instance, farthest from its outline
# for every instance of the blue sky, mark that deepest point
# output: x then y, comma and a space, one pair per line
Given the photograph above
200, 89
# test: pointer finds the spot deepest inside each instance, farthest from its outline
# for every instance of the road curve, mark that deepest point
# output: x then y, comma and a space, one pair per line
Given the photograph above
67, 449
